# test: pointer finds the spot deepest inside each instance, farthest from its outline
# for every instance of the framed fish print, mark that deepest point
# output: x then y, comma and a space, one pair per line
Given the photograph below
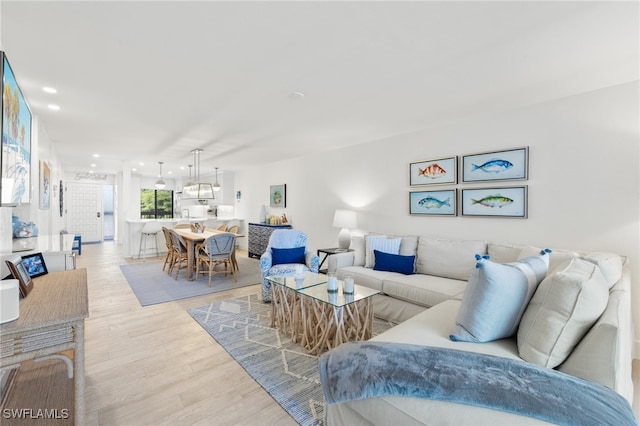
433, 203
433, 172
510, 164
501, 202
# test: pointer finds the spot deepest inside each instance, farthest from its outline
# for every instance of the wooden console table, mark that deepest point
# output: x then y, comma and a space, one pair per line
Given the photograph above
51, 321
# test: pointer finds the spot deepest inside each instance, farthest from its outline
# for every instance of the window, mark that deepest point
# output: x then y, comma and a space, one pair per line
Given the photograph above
156, 204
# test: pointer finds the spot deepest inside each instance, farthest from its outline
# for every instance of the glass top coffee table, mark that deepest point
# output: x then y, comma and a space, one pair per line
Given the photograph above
285, 300
332, 318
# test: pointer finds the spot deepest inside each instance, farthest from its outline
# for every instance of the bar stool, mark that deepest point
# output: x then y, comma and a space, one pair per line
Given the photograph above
150, 229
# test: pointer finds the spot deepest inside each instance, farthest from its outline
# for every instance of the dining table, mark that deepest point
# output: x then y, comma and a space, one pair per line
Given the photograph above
194, 238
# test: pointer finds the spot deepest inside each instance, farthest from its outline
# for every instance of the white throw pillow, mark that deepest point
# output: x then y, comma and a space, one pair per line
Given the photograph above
558, 259
565, 305
496, 297
357, 244
610, 264
381, 243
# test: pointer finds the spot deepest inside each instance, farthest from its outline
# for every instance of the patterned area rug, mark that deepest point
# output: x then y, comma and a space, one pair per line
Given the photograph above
282, 368
152, 285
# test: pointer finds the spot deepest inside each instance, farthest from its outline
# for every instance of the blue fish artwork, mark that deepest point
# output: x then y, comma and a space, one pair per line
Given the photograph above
433, 203
495, 165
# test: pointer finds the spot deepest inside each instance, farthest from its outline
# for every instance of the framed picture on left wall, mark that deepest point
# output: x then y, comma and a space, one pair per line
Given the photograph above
45, 185
278, 195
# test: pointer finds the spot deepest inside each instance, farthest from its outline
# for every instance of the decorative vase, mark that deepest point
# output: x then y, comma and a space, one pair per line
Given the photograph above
263, 214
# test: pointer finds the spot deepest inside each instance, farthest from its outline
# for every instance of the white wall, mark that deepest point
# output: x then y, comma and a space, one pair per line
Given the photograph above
584, 190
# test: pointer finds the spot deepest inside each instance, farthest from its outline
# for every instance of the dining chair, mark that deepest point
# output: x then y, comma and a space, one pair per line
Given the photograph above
218, 249
233, 229
168, 260
180, 256
223, 227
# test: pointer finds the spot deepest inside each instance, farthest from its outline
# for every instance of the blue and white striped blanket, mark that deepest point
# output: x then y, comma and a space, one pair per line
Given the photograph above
361, 370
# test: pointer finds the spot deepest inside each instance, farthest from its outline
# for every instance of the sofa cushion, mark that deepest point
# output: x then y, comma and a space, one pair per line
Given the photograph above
287, 255
503, 253
563, 308
393, 262
448, 258
357, 244
381, 243
424, 290
365, 276
558, 258
496, 297
610, 265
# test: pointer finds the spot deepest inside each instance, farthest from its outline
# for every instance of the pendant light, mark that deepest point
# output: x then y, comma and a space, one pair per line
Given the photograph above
216, 186
198, 191
160, 183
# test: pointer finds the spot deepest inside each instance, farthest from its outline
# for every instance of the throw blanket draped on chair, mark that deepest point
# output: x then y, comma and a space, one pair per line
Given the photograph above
361, 370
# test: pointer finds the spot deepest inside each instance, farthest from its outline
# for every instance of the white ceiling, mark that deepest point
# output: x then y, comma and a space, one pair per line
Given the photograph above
150, 81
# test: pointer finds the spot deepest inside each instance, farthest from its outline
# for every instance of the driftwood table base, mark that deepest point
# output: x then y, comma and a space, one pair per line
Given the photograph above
325, 326
319, 319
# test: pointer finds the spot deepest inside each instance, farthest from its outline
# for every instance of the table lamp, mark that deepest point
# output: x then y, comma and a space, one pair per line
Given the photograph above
345, 219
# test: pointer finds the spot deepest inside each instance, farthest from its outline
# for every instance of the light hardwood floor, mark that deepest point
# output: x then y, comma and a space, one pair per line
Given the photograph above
156, 366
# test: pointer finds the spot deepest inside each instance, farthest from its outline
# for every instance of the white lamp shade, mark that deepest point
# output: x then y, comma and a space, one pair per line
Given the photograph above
345, 219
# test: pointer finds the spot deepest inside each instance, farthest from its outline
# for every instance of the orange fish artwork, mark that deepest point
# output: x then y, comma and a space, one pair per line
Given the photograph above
432, 171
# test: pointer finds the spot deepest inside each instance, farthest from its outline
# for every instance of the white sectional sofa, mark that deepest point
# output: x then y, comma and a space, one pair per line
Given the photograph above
596, 346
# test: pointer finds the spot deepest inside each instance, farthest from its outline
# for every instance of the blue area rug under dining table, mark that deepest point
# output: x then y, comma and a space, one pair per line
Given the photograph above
152, 285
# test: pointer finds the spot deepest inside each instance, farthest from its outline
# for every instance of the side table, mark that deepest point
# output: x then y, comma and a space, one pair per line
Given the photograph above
328, 252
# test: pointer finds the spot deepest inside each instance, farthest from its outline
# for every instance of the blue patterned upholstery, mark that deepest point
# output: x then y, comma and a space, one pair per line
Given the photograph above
284, 238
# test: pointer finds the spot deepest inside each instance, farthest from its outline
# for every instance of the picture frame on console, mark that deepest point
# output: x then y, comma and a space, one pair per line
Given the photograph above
434, 172
495, 202
512, 164
20, 273
433, 203
278, 195
35, 265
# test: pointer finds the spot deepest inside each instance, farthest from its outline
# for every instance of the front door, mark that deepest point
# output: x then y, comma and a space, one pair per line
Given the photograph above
84, 211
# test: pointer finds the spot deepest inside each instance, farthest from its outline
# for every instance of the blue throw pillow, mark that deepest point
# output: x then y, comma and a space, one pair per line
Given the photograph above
287, 255
393, 262
496, 297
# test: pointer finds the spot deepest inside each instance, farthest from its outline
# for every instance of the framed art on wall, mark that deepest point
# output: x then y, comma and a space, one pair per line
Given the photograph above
510, 164
433, 172
278, 195
500, 202
45, 185
15, 157
433, 203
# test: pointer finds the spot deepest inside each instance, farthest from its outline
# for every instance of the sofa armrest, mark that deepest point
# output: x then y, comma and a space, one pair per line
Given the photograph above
340, 260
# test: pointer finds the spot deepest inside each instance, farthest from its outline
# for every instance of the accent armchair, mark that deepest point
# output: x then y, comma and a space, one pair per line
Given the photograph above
286, 249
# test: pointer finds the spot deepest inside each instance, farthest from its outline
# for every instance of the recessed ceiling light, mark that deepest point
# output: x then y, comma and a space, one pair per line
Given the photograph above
49, 90
90, 171
93, 165
140, 164
96, 155
134, 170
54, 107
296, 95
169, 172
